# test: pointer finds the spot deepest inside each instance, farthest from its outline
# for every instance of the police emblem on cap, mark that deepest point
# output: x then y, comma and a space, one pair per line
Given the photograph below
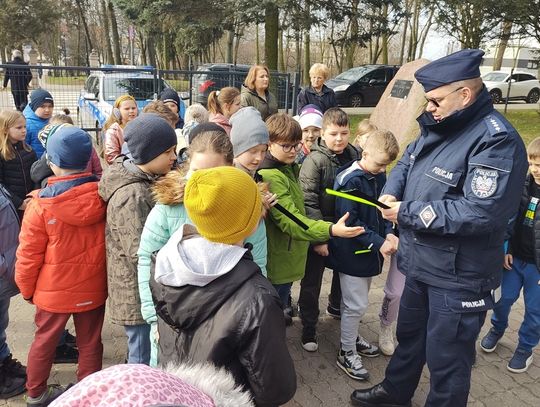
484, 182
427, 215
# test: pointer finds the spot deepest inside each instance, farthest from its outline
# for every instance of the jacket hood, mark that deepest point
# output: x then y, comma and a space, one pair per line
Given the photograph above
218, 118
30, 115
169, 190
120, 173
253, 92
270, 162
352, 169
74, 199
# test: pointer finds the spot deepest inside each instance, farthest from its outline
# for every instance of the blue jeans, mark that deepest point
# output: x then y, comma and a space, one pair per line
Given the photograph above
284, 292
7, 290
138, 343
527, 276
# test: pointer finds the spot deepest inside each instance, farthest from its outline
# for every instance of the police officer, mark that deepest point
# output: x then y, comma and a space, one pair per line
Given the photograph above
452, 193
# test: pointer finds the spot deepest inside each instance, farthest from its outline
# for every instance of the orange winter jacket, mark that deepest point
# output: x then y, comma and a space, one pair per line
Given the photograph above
61, 256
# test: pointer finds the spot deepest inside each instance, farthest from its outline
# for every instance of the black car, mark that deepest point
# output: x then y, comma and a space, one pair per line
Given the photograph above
363, 85
219, 75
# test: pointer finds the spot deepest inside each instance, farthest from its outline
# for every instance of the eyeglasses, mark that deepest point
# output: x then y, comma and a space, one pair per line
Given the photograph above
287, 148
436, 101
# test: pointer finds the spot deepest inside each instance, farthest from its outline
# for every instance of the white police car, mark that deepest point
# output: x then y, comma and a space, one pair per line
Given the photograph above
103, 87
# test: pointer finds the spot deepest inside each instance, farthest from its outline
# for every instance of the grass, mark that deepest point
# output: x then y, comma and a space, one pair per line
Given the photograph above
526, 122
65, 80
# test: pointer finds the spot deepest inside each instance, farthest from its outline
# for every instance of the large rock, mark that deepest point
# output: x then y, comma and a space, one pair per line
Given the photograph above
401, 103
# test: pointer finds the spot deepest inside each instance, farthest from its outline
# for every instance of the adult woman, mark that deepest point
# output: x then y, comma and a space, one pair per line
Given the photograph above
317, 93
255, 91
222, 104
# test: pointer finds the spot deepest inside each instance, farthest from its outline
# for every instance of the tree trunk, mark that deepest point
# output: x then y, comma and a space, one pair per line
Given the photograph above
142, 48
281, 52
257, 48
353, 30
108, 48
384, 39
230, 46
151, 49
115, 35
405, 28
307, 46
505, 36
425, 31
271, 27
89, 46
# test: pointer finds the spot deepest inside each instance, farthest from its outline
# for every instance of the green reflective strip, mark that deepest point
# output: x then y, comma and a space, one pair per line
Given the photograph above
348, 196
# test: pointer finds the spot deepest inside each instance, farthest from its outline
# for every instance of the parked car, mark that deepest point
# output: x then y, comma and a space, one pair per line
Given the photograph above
102, 88
523, 86
362, 85
219, 75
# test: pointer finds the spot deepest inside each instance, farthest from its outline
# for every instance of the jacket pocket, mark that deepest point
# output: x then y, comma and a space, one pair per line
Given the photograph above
435, 256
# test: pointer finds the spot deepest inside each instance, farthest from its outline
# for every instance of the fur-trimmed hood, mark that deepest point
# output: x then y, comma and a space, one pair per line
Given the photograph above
169, 190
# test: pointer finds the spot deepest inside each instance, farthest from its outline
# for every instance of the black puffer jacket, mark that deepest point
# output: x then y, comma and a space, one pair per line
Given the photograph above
15, 173
325, 99
235, 322
317, 173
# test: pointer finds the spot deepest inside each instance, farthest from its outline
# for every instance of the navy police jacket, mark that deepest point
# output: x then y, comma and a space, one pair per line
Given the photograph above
342, 251
459, 182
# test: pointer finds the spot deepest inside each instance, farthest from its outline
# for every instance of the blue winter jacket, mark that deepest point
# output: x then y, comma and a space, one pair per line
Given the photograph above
33, 126
460, 183
342, 251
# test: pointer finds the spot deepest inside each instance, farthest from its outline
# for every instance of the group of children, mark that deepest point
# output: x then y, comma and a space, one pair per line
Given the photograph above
198, 260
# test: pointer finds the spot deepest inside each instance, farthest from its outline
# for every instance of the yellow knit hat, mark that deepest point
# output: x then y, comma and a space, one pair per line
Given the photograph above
224, 204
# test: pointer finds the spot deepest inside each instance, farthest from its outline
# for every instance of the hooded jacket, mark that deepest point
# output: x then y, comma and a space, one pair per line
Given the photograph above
325, 99
287, 241
266, 107
15, 173
222, 121
9, 236
61, 255
34, 124
127, 192
214, 305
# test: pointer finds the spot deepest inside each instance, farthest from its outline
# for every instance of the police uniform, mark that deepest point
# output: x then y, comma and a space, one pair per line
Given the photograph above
459, 184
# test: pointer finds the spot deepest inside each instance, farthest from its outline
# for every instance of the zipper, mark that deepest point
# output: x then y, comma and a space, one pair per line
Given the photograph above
289, 244
22, 169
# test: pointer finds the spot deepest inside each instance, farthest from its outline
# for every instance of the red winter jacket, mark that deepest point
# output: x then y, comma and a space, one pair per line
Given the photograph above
61, 255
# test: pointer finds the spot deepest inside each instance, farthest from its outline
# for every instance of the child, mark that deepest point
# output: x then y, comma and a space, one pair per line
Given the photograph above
195, 115
162, 109
317, 173
16, 158
310, 121
171, 99
213, 303
12, 373
522, 270
126, 187
124, 110
357, 260
364, 127
61, 263
37, 114
222, 104
287, 241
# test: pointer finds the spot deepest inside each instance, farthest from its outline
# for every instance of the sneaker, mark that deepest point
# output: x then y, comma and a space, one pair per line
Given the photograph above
490, 341
386, 340
309, 340
53, 392
11, 386
351, 363
70, 340
521, 361
12, 367
366, 349
333, 312
66, 354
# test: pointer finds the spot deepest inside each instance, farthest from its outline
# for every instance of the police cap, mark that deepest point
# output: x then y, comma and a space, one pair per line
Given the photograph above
461, 65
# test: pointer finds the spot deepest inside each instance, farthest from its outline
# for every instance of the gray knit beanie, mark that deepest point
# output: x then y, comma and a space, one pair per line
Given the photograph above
148, 136
248, 130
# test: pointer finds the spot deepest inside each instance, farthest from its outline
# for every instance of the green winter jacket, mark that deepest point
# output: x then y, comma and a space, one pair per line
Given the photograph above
288, 242
266, 107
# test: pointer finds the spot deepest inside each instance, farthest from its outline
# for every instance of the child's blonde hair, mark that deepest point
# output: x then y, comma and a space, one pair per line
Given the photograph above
113, 118
383, 141
364, 127
196, 113
8, 118
60, 118
533, 149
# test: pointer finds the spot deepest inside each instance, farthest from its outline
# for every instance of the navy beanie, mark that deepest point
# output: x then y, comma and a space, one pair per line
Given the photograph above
38, 97
459, 66
208, 126
148, 136
170, 95
70, 148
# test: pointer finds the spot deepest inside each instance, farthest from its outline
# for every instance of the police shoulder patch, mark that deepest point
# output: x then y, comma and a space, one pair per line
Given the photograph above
427, 215
494, 125
484, 182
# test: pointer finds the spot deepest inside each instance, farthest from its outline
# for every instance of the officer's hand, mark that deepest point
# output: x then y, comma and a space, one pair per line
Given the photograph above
340, 229
392, 213
387, 248
321, 249
387, 198
393, 239
508, 261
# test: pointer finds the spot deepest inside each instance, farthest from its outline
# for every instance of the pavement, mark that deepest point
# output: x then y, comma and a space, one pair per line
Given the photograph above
320, 381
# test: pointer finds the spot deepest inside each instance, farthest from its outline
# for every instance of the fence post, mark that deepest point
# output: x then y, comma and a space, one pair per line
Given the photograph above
296, 85
287, 83
32, 55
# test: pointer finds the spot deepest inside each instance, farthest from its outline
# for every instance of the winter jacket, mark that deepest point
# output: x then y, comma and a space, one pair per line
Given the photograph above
324, 99
266, 107
40, 171
61, 255
34, 124
9, 235
287, 241
215, 306
15, 174
127, 192
342, 251
222, 121
20, 77
318, 172
114, 140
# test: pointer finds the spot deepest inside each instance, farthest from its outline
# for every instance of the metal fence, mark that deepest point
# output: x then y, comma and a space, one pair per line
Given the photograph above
72, 86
